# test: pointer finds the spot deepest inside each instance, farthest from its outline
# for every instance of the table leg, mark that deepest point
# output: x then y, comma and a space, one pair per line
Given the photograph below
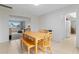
44, 49
21, 43
36, 46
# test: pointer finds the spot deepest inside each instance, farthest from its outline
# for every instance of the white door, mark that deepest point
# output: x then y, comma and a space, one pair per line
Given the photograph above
68, 28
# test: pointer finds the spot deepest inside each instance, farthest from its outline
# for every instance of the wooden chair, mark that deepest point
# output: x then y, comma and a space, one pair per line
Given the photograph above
28, 43
46, 43
43, 30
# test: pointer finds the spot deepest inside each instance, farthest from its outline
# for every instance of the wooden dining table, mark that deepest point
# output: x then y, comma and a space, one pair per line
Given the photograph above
37, 36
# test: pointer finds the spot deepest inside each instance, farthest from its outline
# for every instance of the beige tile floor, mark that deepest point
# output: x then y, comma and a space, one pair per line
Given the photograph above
67, 46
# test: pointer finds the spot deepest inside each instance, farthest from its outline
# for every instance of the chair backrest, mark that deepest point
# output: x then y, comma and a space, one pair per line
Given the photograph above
47, 38
43, 30
48, 35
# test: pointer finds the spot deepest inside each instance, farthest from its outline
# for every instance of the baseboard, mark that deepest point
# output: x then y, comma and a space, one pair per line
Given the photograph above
4, 41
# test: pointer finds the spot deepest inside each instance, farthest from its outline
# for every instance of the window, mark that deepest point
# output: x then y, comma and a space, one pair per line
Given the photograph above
14, 24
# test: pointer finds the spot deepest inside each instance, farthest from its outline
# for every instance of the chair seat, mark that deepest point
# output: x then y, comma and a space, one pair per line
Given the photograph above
28, 43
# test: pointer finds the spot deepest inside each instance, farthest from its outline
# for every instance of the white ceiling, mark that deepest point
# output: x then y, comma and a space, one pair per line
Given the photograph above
36, 10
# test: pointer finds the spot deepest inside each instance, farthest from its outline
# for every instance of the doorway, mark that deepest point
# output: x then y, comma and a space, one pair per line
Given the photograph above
70, 20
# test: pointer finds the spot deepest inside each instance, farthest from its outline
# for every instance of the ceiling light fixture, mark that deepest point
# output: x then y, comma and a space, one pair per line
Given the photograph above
36, 4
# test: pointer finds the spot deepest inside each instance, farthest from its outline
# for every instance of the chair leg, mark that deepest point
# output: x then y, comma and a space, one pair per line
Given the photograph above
28, 50
21, 44
50, 49
44, 50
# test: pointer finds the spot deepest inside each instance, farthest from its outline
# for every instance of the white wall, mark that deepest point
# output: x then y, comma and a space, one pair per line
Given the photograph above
35, 23
4, 31
77, 29
56, 21
77, 33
